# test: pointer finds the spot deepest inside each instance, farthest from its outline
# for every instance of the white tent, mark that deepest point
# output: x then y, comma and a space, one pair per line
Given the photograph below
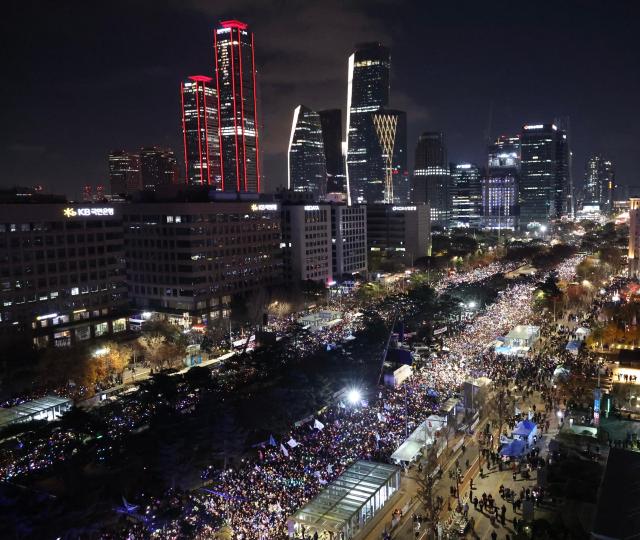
422, 436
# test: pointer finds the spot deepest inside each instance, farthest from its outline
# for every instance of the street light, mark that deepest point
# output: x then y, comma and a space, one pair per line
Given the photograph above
471, 305
100, 352
354, 396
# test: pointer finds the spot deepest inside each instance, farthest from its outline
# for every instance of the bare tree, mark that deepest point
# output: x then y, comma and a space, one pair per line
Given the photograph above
426, 483
501, 406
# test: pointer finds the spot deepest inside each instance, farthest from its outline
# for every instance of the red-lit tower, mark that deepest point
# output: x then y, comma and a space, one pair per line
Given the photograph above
200, 128
237, 107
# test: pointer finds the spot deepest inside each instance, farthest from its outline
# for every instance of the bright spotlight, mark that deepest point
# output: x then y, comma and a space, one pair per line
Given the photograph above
354, 396
472, 305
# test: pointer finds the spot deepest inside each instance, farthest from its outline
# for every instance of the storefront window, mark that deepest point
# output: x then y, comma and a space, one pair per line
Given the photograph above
101, 329
83, 333
119, 325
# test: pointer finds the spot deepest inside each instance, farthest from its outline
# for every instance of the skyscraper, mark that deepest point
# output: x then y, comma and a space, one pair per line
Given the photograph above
306, 163
390, 128
500, 184
124, 172
599, 182
544, 192
157, 166
466, 195
367, 93
237, 107
200, 131
431, 177
331, 122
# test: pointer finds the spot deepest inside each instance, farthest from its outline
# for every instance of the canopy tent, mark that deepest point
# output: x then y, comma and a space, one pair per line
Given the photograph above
514, 449
574, 346
525, 430
582, 333
407, 451
560, 372
352, 499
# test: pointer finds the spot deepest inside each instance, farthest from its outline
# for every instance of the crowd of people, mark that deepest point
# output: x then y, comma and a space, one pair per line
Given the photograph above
256, 498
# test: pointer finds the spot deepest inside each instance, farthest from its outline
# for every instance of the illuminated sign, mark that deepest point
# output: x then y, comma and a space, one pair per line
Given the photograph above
87, 212
48, 316
404, 208
263, 207
311, 207
534, 126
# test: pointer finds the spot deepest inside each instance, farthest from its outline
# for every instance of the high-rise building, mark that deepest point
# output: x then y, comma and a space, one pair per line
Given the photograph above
124, 172
599, 183
367, 93
500, 184
544, 192
157, 167
198, 99
331, 122
348, 240
306, 241
390, 127
237, 107
466, 195
633, 256
431, 177
306, 163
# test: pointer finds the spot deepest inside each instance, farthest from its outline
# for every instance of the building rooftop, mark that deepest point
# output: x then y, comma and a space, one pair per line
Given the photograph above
342, 498
31, 409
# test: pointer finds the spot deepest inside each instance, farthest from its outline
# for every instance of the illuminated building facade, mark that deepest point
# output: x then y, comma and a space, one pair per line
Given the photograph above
599, 183
306, 242
331, 123
544, 191
237, 101
348, 240
432, 177
500, 184
187, 259
62, 278
157, 167
390, 127
306, 164
466, 195
124, 173
633, 256
198, 99
367, 93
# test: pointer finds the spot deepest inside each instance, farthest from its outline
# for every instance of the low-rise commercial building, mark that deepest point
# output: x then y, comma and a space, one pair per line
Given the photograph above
62, 276
348, 241
400, 232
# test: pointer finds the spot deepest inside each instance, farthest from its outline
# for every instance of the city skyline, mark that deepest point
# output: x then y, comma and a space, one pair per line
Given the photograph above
107, 68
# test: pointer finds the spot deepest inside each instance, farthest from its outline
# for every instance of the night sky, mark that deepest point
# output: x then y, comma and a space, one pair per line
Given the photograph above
82, 78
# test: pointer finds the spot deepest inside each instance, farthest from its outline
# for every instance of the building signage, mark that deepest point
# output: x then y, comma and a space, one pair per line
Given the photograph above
404, 208
534, 126
311, 207
70, 212
255, 207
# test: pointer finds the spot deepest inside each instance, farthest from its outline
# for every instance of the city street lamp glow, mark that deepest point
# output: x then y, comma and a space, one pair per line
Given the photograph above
100, 352
354, 396
472, 305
